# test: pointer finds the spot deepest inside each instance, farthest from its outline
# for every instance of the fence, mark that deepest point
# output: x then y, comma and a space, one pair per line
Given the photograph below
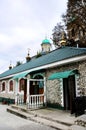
35, 101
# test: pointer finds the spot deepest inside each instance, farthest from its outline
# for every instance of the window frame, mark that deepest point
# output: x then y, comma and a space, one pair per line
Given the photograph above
9, 90
3, 90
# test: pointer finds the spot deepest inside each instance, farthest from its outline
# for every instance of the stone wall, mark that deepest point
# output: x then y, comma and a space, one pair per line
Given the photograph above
53, 91
8, 95
82, 81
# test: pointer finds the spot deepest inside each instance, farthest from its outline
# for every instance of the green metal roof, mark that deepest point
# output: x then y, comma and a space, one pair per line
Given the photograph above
45, 41
52, 57
64, 74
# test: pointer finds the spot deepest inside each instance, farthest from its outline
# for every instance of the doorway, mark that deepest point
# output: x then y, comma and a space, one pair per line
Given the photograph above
69, 93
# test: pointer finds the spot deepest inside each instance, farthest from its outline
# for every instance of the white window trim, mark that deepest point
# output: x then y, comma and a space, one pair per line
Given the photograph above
77, 86
20, 92
9, 86
1, 87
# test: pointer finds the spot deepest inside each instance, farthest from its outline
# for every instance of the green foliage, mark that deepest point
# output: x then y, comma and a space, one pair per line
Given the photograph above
38, 54
18, 63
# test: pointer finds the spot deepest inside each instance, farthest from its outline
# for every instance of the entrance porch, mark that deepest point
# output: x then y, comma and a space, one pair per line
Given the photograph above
33, 95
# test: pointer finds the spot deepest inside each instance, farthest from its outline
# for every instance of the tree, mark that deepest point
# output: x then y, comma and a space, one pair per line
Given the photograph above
75, 19
57, 33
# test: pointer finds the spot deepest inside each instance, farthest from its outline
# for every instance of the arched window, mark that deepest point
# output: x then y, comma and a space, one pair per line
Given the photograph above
21, 85
37, 84
3, 86
38, 76
11, 85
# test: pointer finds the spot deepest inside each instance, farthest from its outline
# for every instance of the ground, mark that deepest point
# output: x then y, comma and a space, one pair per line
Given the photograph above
9, 121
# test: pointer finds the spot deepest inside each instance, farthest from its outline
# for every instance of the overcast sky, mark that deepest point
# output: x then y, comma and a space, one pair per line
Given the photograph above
24, 24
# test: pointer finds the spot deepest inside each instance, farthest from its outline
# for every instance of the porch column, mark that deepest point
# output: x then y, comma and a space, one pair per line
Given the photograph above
62, 91
28, 91
16, 92
45, 103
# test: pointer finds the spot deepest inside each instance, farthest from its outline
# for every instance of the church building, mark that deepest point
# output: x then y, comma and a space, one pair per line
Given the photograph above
54, 79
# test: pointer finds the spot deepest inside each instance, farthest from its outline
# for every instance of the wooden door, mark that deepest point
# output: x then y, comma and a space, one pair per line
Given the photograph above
72, 92
66, 94
69, 93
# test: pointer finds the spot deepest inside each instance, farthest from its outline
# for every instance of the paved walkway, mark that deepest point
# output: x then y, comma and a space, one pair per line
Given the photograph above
62, 117
58, 119
55, 115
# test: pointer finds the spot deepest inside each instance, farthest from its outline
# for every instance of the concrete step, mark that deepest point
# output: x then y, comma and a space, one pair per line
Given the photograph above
31, 111
18, 112
50, 123
41, 120
77, 127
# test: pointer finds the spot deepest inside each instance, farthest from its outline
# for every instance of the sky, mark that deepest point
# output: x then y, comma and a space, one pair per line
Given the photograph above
25, 24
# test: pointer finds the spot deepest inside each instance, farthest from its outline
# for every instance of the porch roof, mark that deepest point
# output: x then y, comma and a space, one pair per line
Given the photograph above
19, 76
64, 74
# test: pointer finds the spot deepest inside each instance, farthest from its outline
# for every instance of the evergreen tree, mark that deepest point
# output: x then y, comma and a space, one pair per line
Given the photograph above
76, 18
